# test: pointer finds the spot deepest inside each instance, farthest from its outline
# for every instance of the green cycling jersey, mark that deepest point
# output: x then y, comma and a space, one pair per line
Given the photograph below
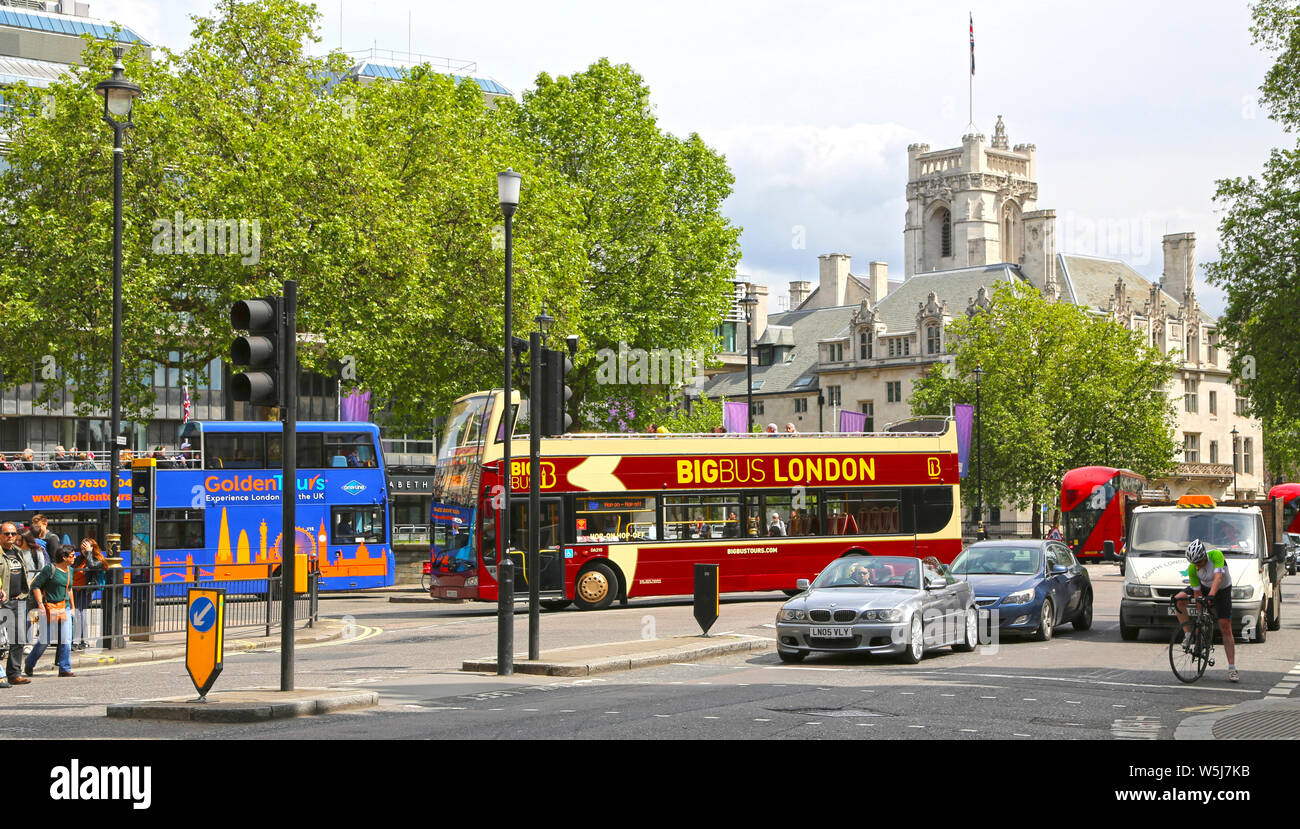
1214, 563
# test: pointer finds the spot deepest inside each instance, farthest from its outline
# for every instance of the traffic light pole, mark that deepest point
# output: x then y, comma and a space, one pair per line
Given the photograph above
289, 487
537, 408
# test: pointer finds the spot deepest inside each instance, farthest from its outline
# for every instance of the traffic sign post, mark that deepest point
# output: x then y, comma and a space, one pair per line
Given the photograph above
205, 621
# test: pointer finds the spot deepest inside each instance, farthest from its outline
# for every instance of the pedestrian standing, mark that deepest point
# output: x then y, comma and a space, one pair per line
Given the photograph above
92, 565
53, 597
17, 570
41, 530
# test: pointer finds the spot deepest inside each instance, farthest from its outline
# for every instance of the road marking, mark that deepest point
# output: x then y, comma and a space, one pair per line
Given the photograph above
988, 697
1030, 699
907, 693
812, 723
611, 712
665, 716
1019, 735
759, 719
562, 710
1136, 728
1180, 687
1206, 709
866, 725
711, 718
947, 695
916, 726
970, 730
1073, 702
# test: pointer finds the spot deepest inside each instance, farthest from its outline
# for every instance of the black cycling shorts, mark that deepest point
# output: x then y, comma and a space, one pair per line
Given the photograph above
1222, 601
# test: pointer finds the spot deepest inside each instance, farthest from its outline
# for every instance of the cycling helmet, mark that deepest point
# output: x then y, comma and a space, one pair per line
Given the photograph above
1196, 551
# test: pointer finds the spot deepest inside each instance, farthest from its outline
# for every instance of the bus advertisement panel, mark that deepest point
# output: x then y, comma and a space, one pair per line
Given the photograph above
630, 515
1092, 505
224, 524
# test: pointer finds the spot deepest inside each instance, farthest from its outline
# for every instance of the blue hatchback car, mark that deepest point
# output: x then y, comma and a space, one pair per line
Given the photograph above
1032, 585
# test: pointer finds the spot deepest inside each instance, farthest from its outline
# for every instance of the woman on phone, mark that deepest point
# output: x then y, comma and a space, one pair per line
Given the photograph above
91, 563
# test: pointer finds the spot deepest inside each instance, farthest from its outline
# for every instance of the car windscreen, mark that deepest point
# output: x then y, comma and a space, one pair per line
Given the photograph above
1168, 533
1001, 561
871, 571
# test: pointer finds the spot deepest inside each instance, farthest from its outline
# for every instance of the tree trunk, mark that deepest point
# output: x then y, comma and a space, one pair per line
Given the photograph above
1037, 526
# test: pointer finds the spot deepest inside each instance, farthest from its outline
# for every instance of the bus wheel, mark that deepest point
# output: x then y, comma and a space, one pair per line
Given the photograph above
555, 604
596, 587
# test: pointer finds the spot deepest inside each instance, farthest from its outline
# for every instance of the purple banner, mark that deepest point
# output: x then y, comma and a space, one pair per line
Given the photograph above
356, 406
965, 417
851, 421
735, 416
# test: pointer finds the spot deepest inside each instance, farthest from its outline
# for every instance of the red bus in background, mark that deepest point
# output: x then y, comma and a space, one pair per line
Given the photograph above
1290, 495
1092, 503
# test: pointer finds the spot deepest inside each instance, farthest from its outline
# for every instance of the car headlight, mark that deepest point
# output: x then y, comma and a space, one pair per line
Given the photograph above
1019, 597
1137, 591
792, 615
472, 581
891, 615
1243, 592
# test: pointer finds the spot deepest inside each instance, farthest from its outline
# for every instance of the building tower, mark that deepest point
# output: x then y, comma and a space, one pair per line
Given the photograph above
967, 206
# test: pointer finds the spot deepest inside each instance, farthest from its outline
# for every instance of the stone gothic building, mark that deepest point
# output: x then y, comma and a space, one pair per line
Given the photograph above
973, 224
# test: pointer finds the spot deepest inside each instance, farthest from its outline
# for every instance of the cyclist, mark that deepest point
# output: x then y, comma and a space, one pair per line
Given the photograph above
1209, 566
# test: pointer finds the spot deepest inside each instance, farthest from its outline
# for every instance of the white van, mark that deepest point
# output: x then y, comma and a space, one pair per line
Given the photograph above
1156, 566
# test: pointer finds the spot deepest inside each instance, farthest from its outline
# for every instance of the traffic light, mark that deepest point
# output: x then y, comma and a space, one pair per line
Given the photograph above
260, 351
556, 366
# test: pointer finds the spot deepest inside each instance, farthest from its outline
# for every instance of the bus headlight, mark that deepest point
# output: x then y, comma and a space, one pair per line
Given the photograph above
472, 581
1243, 592
1137, 591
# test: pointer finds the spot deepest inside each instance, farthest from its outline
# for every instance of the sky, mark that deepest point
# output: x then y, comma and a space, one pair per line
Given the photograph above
1136, 108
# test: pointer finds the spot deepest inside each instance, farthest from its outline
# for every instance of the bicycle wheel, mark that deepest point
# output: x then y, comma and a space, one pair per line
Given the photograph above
1188, 663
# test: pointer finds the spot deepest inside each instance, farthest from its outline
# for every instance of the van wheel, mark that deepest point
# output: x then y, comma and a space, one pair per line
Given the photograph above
1127, 633
1261, 625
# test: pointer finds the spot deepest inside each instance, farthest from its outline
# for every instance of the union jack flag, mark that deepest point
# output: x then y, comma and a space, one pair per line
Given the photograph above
972, 43
185, 404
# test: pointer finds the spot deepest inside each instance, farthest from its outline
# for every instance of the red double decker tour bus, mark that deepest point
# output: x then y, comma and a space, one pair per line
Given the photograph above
626, 516
1290, 495
1092, 503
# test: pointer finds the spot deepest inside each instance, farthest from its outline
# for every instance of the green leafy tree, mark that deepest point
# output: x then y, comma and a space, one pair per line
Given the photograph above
660, 254
1061, 389
1259, 249
379, 199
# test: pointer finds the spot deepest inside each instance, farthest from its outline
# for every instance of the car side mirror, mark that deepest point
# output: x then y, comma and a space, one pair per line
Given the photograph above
935, 583
1058, 569
1279, 550
802, 584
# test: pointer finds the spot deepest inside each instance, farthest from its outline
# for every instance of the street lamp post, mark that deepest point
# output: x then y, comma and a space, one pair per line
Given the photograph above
750, 301
1234, 462
508, 196
979, 457
119, 98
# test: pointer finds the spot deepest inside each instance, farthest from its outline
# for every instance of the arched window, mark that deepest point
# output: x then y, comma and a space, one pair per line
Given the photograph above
945, 237
932, 339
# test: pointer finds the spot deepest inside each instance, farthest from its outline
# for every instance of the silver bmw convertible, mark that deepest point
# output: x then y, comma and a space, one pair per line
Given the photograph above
878, 604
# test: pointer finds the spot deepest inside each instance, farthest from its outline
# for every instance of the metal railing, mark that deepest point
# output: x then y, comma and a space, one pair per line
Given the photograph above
149, 606
411, 534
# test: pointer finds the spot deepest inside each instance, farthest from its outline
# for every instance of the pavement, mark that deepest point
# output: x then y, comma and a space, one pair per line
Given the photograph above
250, 705
586, 660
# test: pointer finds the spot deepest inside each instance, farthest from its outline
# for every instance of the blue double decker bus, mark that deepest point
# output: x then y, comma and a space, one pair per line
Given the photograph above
217, 503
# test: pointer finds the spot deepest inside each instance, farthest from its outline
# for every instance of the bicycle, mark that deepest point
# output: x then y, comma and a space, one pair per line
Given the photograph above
1190, 660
